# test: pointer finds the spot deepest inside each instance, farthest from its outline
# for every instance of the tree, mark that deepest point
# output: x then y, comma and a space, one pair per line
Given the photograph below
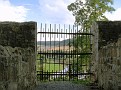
86, 12
89, 11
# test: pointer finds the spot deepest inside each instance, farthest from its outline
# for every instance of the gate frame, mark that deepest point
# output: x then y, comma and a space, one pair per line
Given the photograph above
70, 74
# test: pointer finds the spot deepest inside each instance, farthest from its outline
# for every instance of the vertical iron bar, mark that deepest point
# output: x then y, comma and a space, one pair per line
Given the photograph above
49, 51
45, 51
59, 50
64, 51
62, 76
41, 62
54, 49
74, 51
81, 59
85, 55
69, 57
77, 51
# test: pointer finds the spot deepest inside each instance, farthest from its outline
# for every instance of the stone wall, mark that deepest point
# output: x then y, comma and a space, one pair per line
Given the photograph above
17, 55
107, 44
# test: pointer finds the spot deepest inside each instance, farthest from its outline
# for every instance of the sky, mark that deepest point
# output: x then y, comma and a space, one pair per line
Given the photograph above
41, 11
45, 11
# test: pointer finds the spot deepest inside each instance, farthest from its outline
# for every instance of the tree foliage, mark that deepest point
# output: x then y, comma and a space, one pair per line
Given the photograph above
87, 11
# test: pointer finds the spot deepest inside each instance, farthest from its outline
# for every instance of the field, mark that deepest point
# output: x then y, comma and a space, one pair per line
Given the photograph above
52, 67
63, 48
49, 66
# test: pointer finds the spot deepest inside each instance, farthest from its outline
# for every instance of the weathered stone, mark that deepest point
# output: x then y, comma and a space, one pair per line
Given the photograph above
12, 86
108, 65
17, 56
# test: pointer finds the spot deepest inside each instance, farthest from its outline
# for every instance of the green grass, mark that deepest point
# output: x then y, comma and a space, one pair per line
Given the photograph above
49, 66
52, 67
82, 81
38, 65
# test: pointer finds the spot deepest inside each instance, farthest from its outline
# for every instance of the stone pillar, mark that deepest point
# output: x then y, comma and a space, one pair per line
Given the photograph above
94, 40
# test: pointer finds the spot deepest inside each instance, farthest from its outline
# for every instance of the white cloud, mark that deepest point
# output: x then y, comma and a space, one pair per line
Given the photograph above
55, 11
9, 12
114, 16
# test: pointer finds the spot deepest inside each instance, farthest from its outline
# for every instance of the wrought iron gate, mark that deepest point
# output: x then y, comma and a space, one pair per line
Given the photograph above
64, 53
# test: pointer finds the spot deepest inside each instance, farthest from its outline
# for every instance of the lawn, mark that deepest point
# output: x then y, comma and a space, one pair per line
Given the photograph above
52, 67
48, 67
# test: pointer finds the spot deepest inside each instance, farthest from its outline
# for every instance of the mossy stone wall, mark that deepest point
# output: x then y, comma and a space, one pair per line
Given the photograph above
108, 64
17, 55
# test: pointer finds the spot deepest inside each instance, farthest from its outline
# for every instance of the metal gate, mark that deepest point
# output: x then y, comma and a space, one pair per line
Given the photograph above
63, 53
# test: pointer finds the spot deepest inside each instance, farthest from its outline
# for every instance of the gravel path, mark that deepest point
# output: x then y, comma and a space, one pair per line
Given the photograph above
60, 85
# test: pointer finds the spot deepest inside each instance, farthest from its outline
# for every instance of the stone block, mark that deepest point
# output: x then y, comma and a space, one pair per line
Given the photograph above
12, 86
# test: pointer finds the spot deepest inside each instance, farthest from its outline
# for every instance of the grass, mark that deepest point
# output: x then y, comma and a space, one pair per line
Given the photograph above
82, 81
52, 67
38, 65
49, 66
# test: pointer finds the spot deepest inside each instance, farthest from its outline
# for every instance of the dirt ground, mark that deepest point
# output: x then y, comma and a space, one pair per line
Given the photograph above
60, 85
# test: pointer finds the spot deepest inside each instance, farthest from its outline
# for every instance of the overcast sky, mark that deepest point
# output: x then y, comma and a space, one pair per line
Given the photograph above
45, 11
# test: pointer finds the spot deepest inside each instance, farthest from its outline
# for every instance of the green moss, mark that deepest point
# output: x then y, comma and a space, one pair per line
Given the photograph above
17, 34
